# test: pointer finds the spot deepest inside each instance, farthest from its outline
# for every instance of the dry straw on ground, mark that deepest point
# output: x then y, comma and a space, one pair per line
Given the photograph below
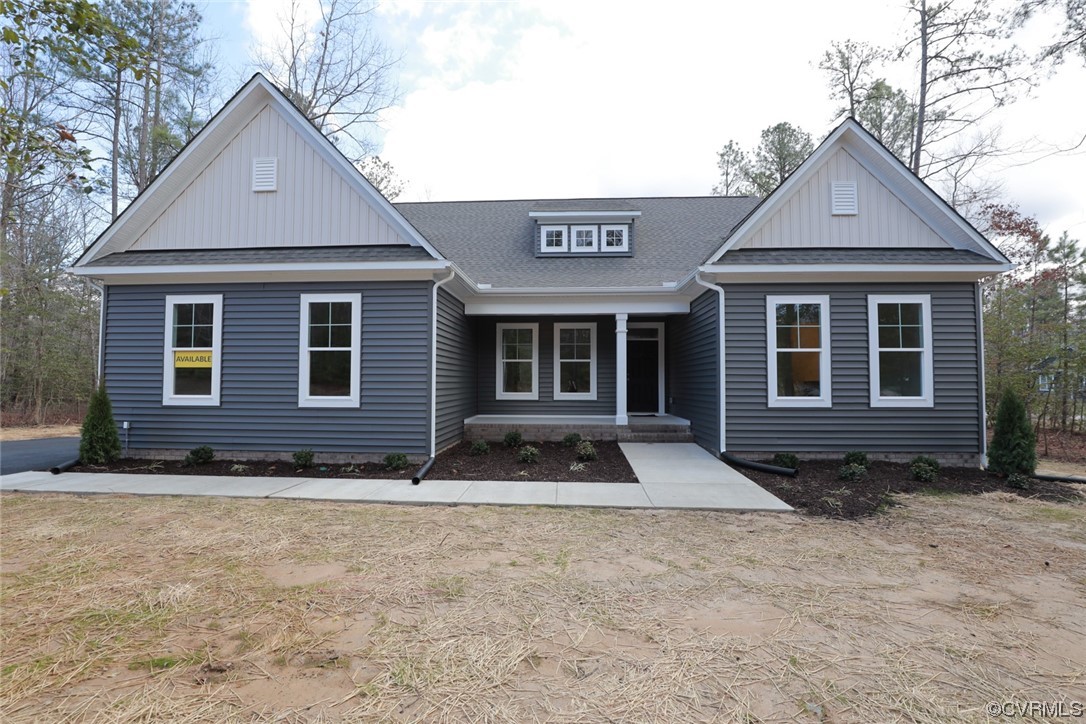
208, 610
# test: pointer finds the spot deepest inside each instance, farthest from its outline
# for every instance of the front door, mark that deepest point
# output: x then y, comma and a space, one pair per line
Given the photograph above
643, 369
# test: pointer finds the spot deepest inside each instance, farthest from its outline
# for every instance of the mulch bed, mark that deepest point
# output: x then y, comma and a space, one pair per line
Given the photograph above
250, 468
816, 489
555, 460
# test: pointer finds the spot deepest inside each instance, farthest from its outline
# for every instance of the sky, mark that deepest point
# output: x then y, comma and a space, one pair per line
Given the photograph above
554, 99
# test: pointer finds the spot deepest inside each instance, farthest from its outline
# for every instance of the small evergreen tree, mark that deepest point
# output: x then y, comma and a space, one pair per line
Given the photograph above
1014, 446
99, 442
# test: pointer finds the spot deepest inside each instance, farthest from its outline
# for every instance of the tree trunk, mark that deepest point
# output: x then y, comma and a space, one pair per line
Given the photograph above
918, 141
115, 162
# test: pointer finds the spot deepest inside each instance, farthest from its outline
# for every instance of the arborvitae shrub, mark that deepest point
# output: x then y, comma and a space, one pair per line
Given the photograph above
1014, 446
99, 442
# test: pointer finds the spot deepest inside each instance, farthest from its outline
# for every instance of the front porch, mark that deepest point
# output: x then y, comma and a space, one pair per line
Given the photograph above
552, 428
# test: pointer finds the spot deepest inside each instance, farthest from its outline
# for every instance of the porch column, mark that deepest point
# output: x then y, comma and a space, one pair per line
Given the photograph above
621, 418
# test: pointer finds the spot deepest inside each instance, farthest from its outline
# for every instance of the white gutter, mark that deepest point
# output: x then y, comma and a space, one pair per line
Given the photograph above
433, 365
722, 443
873, 268
99, 271
101, 329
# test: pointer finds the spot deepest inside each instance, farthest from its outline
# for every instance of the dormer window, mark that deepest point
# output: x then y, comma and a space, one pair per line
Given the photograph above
584, 238
616, 238
554, 239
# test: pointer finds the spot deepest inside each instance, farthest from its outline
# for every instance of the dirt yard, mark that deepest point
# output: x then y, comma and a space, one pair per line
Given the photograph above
118, 609
36, 432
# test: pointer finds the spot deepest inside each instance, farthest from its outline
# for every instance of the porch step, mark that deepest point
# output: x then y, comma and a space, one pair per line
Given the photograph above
641, 435
597, 430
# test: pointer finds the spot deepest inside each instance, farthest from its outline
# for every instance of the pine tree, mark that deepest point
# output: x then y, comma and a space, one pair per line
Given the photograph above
1014, 445
99, 442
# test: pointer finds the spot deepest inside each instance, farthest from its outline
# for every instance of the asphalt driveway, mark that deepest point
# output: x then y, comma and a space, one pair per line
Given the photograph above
17, 456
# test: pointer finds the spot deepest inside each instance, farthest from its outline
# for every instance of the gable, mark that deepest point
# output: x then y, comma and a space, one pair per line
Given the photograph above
805, 220
313, 204
204, 198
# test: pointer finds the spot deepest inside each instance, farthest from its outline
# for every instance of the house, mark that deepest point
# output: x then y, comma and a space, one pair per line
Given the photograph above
262, 297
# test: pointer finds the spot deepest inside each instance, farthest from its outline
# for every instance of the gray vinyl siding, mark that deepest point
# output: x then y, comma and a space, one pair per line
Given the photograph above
693, 370
952, 425
486, 341
259, 393
455, 393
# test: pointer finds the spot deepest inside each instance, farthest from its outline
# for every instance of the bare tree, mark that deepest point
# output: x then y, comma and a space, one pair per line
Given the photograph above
338, 72
849, 68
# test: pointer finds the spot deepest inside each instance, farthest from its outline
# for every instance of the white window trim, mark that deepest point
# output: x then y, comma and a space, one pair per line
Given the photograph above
500, 393
168, 396
558, 393
584, 249
927, 399
304, 398
614, 227
543, 239
825, 345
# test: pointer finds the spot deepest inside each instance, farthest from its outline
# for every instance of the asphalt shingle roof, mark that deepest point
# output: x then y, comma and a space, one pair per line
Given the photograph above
853, 256
494, 241
266, 255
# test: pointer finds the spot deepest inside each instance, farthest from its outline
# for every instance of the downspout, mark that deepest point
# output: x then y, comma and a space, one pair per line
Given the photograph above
983, 396
417, 478
722, 443
101, 329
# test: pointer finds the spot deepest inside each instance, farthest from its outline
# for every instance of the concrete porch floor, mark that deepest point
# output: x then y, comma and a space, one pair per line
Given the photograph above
672, 476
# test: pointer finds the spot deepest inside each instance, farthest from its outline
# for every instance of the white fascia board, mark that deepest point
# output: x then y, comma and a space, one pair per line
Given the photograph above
852, 272
576, 305
576, 214
325, 271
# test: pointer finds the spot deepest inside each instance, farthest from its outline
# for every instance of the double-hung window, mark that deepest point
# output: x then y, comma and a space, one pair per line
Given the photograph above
329, 350
575, 361
797, 330
900, 350
518, 362
192, 357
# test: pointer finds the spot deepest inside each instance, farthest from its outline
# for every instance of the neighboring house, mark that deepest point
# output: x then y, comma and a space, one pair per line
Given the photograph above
261, 297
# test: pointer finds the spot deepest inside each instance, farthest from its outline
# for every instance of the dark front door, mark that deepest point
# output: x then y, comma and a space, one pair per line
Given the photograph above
643, 374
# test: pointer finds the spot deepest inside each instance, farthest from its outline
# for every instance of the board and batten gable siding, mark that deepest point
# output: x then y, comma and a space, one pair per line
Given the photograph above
455, 394
693, 369
486, 341
951, 426
804, 220
313, 205
260, 351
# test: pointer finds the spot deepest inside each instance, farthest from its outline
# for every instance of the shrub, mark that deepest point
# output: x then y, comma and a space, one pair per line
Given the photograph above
396, 461
856, 458
924, 469
1019, 481
200, 455
513, 439
303, 458
571, 439
786, 460
1014, 446
586, 451
528, 454
99, 442
479, 447
851, 472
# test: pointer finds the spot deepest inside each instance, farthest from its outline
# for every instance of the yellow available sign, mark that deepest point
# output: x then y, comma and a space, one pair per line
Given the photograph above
192, 358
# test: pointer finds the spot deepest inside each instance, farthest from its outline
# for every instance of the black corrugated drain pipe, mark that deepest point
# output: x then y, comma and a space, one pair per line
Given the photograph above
1060, 478
761, 467
64, 467
422, 471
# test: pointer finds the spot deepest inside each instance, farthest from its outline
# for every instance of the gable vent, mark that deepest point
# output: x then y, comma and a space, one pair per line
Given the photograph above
844, 199
264, 174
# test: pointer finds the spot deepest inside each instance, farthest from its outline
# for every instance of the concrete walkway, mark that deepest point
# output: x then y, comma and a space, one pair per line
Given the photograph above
672, 475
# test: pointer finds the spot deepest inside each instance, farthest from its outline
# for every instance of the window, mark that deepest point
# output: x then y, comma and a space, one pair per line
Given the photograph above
615, 238
554, 238
584, 238
1045, 382
518, 362
797, 330
192, 350
899, 337
575, 361
329, 346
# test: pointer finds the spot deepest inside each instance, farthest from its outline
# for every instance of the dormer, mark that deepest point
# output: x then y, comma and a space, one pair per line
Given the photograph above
580, 228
